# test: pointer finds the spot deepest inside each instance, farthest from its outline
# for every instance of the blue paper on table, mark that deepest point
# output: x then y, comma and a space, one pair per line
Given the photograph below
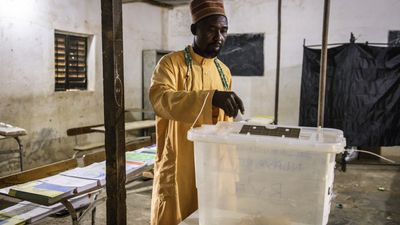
41, 193
54, 187
80, 184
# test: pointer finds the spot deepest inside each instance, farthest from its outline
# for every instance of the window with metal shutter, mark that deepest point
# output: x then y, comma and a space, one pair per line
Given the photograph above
70, 62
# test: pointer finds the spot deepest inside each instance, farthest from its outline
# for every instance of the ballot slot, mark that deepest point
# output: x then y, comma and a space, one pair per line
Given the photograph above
275, 132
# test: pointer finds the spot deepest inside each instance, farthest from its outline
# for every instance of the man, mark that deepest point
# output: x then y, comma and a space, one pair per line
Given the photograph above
189, 87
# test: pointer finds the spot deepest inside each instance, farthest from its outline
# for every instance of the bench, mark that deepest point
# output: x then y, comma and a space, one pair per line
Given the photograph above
87, 146
81, 149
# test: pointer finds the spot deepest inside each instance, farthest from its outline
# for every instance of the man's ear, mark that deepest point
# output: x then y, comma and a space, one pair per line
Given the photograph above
193, 28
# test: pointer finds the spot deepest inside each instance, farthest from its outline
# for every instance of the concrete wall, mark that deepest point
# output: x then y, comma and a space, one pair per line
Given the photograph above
27, 97
369, 20
143, 29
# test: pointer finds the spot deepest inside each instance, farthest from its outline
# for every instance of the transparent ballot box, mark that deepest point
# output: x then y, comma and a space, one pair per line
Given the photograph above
264, 174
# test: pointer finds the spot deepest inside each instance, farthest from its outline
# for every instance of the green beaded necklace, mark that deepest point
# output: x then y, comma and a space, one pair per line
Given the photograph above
189, 64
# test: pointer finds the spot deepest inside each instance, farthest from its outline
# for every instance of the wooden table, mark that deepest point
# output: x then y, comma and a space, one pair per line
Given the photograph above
135, 125
94, 197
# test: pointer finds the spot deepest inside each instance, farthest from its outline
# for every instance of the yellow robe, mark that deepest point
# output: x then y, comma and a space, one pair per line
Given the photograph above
177, 100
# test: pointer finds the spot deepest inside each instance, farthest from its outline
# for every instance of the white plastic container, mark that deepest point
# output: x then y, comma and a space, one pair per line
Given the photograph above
246, 179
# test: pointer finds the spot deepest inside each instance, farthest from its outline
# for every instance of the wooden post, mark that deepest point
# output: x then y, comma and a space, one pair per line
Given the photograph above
278, 62
323, 63
114, 121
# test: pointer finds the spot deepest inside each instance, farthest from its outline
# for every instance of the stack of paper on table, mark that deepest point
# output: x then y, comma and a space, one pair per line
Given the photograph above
40, 192
95, 171
43, 191
136, 156
143, 157
9, 130
28, 212
133, 166
79, 184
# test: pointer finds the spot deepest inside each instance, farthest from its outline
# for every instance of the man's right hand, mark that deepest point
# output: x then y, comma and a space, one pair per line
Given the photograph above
229, 102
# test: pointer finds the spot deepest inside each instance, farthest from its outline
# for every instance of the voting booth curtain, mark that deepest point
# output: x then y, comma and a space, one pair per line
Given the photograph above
362, 93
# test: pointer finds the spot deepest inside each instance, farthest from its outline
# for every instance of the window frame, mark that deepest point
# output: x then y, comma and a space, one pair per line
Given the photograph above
69, 73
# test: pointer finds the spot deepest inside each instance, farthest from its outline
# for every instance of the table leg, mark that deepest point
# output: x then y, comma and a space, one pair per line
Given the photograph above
71, 211
21, 153
95, 201
94, 212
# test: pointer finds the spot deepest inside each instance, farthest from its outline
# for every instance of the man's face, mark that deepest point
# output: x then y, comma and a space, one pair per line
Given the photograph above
210, 35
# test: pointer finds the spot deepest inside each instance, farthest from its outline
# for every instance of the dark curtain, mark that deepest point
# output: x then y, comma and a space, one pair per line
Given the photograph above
362, 93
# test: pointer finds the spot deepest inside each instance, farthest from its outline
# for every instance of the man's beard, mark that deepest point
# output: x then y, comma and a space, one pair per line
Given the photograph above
210, 51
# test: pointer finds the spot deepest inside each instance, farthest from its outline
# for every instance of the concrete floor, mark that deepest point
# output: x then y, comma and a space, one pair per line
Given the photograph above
368, 195
365, 195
